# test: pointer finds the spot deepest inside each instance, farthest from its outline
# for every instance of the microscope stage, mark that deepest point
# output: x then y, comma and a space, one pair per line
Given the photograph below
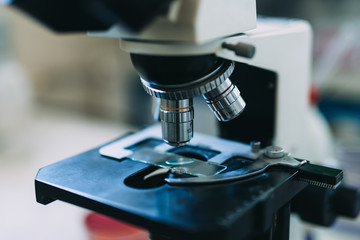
137, 193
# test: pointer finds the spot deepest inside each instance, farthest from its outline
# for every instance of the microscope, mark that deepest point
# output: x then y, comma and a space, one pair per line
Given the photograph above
253, 73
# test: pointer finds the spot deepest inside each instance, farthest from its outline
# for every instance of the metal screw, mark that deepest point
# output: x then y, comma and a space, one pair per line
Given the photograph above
274, 152
255, 146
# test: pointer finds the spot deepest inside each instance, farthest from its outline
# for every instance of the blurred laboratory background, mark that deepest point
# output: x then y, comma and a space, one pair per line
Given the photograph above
64, 94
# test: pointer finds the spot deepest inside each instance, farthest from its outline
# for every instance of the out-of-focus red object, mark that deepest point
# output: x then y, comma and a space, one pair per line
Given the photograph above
314, 95
101, 227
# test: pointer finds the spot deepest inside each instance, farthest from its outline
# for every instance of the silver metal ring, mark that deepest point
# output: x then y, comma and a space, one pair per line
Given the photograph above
193, 89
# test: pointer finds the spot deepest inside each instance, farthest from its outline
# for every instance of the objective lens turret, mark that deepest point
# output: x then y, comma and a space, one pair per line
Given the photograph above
177, 80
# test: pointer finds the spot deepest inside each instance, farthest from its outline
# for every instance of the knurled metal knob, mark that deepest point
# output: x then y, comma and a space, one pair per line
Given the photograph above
193, 89
274, 152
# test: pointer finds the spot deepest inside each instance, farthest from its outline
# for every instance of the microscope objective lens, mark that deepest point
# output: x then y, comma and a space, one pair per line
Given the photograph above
225, 101
177, 121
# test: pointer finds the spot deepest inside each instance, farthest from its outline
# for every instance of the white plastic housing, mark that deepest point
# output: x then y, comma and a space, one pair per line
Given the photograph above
194, 21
